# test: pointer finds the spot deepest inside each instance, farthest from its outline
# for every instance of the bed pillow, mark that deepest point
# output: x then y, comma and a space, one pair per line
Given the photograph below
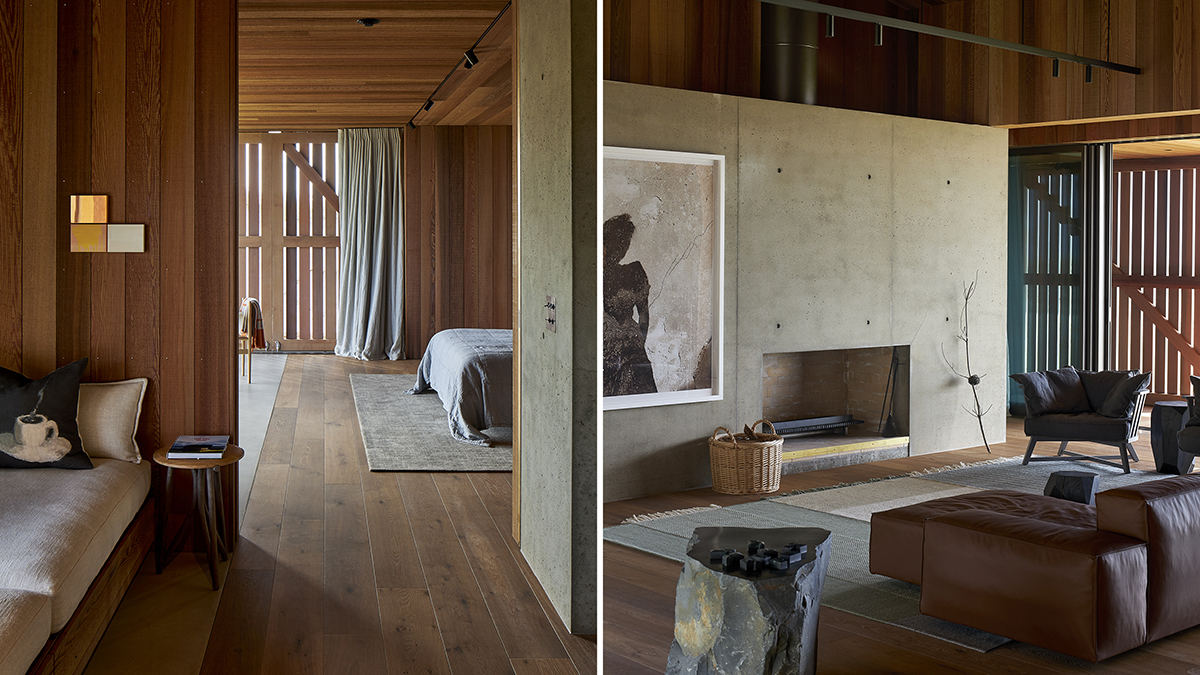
108, 418
1053, 391
1122, 400
38, 426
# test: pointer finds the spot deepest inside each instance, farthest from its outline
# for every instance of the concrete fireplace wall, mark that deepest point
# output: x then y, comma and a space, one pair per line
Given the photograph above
843, 229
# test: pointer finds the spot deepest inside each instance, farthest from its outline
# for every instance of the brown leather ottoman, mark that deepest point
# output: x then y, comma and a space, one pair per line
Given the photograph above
898, 535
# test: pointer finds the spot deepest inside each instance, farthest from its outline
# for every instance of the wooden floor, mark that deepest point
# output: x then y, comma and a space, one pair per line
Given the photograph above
639, 596
340, 570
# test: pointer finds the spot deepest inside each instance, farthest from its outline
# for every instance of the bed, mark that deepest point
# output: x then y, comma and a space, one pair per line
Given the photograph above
471, 371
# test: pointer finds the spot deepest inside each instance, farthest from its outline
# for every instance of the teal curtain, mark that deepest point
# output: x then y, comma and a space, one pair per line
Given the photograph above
370, 322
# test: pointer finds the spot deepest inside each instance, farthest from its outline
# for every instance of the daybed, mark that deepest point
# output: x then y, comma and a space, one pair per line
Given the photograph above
1086, 581
73, 539
471, 370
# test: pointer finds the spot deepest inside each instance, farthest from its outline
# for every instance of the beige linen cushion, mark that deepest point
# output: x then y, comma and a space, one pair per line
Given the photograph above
24, 629
108, 418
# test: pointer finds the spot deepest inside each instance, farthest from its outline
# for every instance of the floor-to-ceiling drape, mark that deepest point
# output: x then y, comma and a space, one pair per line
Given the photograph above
371, 307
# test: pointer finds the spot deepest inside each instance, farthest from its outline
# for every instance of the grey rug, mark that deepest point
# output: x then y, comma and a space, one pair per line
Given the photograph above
410, 432
845, 511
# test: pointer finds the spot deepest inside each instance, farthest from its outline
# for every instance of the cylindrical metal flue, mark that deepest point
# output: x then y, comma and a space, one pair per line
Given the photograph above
789, 54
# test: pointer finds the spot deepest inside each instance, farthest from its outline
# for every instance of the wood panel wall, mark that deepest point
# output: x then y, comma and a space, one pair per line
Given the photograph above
135, 100
712, 45
458, 235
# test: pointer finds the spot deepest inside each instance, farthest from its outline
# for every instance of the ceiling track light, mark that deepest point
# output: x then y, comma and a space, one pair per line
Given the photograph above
368, 22
1054, 69
471, 59
828, 25
410, 125
878, 35
428, 105
1087, 74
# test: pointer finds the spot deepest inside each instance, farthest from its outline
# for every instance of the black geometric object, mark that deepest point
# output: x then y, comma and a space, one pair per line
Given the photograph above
731, 562
718, 553
754, 546
1075, 486
794, 553
1166, 419
752, 566
471, 59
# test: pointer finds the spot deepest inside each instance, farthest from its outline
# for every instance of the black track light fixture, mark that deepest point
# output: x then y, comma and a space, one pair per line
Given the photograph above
1087, 74
878, 35
1054, 68
470, 58
428, 104
828, 25
368, 22
410, 125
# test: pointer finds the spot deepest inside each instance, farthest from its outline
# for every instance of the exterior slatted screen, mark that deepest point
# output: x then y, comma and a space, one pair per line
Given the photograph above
1155, 318
288, 248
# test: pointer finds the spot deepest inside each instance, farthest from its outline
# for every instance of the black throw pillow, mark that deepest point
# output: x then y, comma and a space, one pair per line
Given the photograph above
1099, 385
1122, 400
1053, 391
37, 420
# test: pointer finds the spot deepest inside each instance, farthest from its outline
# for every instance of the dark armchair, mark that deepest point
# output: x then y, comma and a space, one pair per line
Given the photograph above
1067, 405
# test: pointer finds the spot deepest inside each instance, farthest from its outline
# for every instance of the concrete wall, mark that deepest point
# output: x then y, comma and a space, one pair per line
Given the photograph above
843, 229
556, 146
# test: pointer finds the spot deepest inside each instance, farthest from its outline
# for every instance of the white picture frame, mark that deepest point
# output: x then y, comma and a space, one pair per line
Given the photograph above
675, 207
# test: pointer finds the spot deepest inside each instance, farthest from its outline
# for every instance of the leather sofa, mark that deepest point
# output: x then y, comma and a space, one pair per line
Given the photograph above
1086, 581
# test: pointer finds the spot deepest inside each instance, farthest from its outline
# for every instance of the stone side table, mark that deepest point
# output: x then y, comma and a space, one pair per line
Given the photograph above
748, 623
1166, 419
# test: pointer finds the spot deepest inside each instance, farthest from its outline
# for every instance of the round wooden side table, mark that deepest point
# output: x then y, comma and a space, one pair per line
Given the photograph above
206, 507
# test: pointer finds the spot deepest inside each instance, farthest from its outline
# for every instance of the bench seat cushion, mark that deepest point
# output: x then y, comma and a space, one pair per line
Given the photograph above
1080, 426
24, 629
58, 527
897, 535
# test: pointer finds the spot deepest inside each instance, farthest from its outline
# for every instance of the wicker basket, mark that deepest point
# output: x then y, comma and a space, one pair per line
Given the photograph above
742, 466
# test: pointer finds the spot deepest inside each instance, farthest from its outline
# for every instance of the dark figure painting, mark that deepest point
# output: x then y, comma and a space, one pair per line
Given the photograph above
627, 368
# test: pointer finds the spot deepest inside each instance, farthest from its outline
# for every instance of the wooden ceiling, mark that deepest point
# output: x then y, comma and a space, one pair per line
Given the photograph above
1188, 147
310, 66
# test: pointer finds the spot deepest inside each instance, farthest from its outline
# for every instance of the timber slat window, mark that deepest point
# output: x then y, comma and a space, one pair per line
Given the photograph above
288, 235
1155, 315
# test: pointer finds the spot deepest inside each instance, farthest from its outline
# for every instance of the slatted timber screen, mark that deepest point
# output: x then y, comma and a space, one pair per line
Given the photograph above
1155, 317
1051, 269
288, 244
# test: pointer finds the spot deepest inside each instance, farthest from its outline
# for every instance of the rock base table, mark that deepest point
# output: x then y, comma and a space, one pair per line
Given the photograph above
1166, 419
735, 622
1075, 486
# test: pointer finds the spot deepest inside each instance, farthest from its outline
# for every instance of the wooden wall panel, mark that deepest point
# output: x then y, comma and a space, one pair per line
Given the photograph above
90, 91
457, 230
712, 45
11, 85
38, 157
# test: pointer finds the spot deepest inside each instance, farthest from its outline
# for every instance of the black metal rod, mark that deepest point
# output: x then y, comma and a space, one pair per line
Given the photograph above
952, 34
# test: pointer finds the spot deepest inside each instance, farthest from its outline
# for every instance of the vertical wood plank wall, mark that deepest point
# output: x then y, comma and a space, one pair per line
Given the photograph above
458, 230
135, 100
713, 45
1156, 307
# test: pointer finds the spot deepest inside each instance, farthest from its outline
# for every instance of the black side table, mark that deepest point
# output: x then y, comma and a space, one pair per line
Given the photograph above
1166, 419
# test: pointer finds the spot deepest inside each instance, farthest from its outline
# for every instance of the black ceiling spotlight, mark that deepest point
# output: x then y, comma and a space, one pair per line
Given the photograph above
878, 35
1087, 77
828, 25
410, 125
1054, 70
368, 22
428, 104
471, 58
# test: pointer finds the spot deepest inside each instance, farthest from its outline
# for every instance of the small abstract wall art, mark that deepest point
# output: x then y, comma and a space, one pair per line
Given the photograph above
662, 238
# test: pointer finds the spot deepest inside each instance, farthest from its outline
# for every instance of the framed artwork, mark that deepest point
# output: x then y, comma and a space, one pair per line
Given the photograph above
662, 277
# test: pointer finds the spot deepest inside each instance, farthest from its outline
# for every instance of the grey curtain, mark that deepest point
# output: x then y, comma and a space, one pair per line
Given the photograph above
371, 299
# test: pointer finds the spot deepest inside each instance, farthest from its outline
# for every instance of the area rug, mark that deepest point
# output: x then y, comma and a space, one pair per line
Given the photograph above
410, 432
846, 512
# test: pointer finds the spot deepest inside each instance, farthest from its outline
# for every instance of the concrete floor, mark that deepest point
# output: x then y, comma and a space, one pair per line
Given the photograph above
255, 401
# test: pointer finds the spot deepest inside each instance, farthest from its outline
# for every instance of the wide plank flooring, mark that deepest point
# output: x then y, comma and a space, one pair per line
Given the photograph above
340, 570
639, 595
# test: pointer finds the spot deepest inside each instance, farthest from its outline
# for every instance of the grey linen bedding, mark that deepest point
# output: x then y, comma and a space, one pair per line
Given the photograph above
471, 370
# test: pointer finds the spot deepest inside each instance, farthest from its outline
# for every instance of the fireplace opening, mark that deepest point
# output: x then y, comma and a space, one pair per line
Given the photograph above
838, 406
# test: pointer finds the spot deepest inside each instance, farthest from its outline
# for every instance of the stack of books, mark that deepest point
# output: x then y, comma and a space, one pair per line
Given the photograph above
198, 447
